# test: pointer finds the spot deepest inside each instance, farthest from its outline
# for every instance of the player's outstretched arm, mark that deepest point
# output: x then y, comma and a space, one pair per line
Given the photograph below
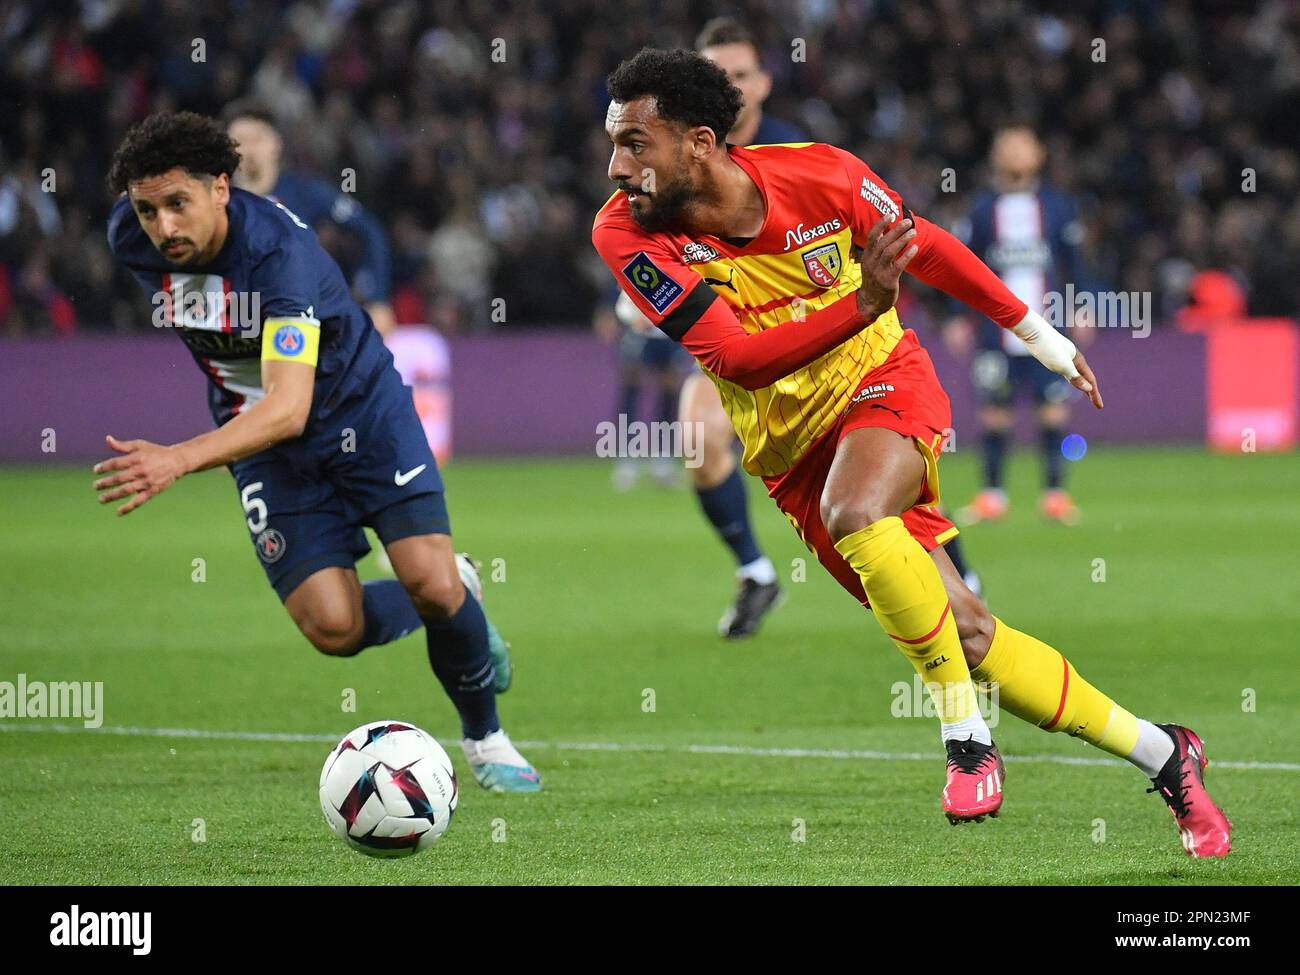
142, 470
280, 415
944, 262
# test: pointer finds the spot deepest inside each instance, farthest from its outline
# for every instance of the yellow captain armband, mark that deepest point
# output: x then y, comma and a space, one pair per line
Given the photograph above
291, 340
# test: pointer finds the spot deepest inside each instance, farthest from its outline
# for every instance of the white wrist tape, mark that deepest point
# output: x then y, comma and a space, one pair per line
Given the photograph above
1047, 345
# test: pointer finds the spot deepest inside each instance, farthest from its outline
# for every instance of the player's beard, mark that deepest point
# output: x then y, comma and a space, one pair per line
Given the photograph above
186, 257
668, 203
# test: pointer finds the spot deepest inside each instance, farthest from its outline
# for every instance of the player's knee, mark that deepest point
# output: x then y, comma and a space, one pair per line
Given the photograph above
437, 594
335, 633
974, 625
844, 516
716, 461
996, 419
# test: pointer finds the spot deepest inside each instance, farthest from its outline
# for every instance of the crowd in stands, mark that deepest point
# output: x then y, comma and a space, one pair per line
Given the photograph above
474, 129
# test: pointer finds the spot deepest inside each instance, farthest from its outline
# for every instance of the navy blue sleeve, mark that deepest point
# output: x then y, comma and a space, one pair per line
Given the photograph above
373, 278
288, 279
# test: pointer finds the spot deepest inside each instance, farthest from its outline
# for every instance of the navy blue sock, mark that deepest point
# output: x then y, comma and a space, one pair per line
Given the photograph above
667, 403
389, 613
458, 653
629, 396
1053, 468
727, 508
995, 450
953, 548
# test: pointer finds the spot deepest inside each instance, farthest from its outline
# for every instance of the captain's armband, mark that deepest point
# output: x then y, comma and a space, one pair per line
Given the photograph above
291, 340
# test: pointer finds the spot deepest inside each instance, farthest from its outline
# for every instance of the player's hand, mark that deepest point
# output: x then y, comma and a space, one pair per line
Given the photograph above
1086, 381
884, 257
142, 469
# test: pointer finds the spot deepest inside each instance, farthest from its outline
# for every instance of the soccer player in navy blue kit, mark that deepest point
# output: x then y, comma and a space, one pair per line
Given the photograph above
1029, 232
312, 420
719, 483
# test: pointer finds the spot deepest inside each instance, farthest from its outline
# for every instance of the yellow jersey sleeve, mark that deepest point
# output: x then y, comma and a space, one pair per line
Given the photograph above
291, 340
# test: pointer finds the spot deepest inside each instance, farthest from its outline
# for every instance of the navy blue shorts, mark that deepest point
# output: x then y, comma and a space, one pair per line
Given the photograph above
1000, 378
368, 464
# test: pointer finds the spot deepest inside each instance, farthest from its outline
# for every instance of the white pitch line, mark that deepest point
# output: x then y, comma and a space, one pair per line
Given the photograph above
612, 746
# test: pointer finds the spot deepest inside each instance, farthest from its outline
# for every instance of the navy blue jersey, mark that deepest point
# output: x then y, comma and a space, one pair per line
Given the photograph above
314, 200
1030, 239
775, 131
271, 266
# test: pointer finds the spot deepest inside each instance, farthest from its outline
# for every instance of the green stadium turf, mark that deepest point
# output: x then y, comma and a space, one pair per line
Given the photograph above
606, 596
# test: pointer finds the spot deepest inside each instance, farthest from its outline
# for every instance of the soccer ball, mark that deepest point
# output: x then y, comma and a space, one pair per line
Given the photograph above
388, 789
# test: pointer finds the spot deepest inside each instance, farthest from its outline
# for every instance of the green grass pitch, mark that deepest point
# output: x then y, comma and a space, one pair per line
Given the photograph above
605, 597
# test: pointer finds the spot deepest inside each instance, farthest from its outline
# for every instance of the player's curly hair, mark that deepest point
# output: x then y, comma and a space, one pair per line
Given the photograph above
167, 140
688, 88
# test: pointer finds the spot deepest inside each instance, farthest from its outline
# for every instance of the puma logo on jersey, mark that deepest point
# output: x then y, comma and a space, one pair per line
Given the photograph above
401, 480
718, 282
797, 236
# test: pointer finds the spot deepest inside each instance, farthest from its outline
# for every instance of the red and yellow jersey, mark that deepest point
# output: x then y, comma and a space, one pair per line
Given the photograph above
821, 201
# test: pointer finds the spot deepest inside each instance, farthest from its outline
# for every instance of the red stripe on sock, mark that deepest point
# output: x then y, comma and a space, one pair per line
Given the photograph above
1065, 689
942, 616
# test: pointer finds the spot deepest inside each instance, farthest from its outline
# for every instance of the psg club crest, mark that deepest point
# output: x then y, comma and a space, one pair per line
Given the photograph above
288, 340
823, 264
270, 546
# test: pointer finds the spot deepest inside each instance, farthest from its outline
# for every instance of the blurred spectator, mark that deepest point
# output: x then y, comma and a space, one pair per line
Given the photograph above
475, 128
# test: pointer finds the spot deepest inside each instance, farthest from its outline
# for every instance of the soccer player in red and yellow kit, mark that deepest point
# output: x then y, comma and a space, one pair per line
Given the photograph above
777, 267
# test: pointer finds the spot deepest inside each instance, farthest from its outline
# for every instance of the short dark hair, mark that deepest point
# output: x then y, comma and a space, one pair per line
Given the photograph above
170, 140
724, 30
686, 86
248, 108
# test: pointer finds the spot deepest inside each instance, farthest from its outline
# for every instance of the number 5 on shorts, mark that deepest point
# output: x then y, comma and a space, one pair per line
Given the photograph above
255, 508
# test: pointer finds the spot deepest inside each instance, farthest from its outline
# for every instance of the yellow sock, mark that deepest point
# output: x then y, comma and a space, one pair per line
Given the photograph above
908, 598
1036, 683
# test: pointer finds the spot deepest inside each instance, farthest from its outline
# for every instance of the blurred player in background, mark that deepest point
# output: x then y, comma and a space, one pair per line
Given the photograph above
777, 267
1029, 233
718, 481
260, 148
313, 422
644, 353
